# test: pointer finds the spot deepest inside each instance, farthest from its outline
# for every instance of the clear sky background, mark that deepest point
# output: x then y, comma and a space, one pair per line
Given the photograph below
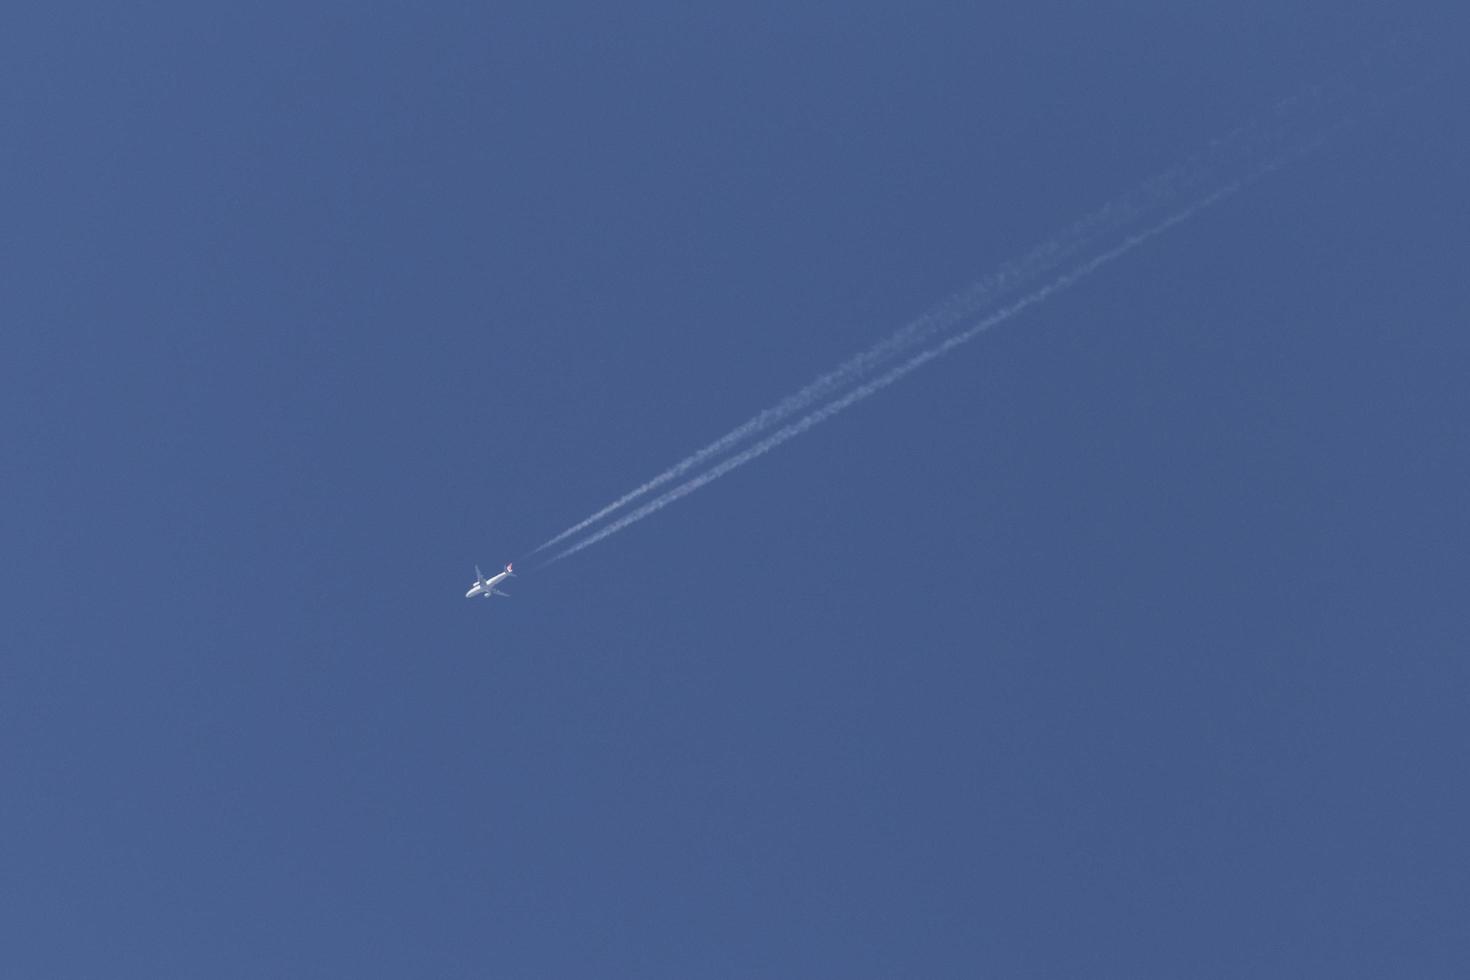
1127, 641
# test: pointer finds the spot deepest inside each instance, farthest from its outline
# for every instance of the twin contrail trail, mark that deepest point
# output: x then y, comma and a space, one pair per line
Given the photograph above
1016, 274
1204, 180
796, 428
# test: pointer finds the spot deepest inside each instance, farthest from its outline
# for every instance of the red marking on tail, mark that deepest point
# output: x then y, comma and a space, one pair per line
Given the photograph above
507, 567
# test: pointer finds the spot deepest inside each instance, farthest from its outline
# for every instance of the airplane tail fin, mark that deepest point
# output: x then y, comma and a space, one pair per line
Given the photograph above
508, 570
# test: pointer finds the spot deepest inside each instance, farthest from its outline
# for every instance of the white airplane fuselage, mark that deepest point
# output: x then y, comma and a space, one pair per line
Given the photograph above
486, 586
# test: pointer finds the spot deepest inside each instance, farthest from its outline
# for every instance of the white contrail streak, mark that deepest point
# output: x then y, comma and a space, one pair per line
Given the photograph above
858, 394
1247, 153
1150, 196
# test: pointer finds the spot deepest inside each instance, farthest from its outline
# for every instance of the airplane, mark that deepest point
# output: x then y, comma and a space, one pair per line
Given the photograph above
487, 586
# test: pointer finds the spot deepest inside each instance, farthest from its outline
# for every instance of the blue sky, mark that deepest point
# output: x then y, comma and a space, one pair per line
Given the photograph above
1126, 641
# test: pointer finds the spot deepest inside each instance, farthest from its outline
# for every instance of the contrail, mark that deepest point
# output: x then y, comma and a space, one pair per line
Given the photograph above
1250, 152
862, 392
1149, 196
